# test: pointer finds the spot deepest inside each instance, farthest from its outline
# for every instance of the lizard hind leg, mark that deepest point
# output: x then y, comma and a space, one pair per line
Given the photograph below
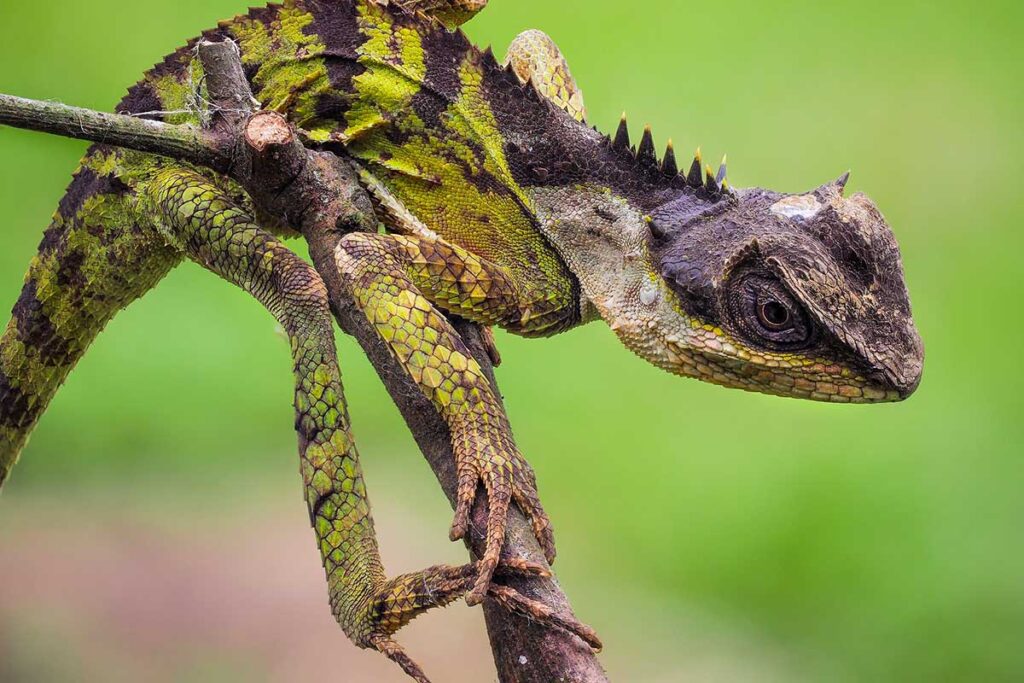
534, 57
94, 260
369, 606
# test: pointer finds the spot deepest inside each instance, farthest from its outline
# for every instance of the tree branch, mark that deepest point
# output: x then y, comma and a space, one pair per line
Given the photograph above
180, 142
318, 193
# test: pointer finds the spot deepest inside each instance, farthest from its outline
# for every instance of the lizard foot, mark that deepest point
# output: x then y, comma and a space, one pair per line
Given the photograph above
405, 597
506, 477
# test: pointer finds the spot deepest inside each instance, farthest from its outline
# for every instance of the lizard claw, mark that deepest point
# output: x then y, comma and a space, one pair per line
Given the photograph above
497, 519
506, 477
466, 497
513, 600
525, 495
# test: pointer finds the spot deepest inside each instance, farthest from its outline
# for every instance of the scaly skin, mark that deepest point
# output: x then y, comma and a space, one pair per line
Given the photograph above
393, 281
205, 223
534, 58
503, 208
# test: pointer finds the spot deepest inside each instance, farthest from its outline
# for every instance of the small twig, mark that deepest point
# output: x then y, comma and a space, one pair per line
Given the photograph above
178, 141
226, 85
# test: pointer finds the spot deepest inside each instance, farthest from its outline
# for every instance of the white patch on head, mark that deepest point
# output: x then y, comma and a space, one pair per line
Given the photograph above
801, 206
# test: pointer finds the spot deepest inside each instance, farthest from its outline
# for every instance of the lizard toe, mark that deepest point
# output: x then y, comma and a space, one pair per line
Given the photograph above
499, 498
396, 654
513, 600
525, 496
466, 497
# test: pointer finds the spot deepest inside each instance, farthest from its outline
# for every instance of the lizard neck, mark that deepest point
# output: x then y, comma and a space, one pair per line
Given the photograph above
604, 240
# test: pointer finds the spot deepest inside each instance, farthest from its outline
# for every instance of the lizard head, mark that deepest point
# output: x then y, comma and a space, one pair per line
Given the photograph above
789, 294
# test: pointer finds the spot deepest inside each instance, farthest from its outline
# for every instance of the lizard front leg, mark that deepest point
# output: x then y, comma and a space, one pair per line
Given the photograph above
204, 222
396, 282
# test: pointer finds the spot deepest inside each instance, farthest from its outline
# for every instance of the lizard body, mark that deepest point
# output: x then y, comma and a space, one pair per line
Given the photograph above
501, 207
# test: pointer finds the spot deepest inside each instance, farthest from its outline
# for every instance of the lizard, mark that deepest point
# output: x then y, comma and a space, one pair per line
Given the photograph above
501, 206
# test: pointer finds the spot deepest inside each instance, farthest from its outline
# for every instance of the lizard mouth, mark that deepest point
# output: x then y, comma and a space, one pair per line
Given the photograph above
903, 380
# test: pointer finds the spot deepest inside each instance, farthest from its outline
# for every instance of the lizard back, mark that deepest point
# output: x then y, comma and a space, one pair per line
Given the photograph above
442, 133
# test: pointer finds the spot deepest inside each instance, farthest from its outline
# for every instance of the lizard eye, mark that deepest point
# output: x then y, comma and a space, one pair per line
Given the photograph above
765, 311
774, 315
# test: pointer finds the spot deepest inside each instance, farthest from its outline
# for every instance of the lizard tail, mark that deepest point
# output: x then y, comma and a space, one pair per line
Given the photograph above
93, 261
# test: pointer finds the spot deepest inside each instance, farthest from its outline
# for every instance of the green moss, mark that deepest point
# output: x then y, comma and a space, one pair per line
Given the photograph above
180, 92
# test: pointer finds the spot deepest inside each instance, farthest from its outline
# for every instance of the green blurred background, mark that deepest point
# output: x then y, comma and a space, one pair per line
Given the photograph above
155, 527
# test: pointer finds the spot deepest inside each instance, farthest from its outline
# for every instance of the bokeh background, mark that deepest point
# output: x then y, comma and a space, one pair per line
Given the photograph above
155, 528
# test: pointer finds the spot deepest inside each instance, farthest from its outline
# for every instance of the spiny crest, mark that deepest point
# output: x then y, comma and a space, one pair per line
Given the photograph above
621, 140
646, 155
699, 176
668, 163
693, 178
